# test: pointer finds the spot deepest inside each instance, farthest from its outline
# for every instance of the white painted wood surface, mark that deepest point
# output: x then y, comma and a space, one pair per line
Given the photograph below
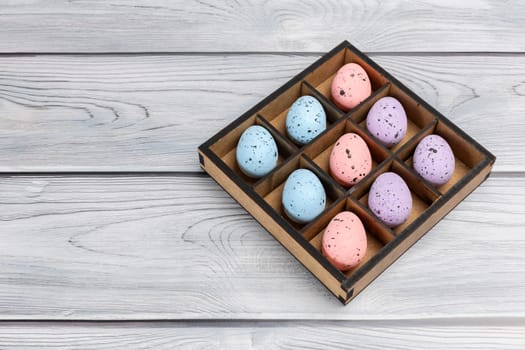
259, 335
240, 25
163, 247
176, 255
150, 113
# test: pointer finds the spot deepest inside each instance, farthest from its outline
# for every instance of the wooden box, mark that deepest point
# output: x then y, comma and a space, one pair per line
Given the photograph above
262, 197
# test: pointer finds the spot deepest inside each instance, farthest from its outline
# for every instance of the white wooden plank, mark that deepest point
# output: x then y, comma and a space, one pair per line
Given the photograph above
149, 113
162, 25
161, 247
255, 335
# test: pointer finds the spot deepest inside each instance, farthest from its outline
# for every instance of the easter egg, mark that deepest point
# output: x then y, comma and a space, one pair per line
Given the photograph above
305, 120
304, 196
256, 152
434, 160
350, 159
387, 121
344, 241
390, 199
350, 86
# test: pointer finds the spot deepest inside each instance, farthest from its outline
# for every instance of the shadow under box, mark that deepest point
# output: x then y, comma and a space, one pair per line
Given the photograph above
418, 117
377, 234
270, 188
225, 148
320, 149
276, 111
466, 155
423, 195
321, 77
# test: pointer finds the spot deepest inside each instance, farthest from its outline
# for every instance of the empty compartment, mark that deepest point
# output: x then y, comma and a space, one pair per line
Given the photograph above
422, 195
377, 234
418, 117
466, 155
319, 150
271, 187
275, 112
225, 148
321, 78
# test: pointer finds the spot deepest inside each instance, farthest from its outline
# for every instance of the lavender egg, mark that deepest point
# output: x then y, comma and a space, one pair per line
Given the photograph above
434, 160
305, 120
256, 152
387, 121
390, 199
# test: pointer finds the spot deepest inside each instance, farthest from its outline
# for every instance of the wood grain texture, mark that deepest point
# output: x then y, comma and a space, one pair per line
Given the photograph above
256, 335
149, 113
207, 26
177, 247
161, 247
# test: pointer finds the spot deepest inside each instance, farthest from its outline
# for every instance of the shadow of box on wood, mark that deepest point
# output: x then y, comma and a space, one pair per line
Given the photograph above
262, 197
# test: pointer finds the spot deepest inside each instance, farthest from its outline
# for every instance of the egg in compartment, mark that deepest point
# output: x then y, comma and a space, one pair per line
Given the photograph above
305, 120
303, 197
256, 152
390, 199
350, 159
350, 86
387, 121
344, 241
434, 160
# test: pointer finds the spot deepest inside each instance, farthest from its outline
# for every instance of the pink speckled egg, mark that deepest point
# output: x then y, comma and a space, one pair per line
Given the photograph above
350, 86
350, 159
344, 241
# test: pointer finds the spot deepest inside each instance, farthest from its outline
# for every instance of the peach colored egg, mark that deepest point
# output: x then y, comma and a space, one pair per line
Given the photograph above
350, 160
344, 241
350, 86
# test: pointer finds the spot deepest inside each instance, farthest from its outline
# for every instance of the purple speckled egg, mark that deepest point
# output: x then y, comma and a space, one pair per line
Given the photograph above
390, 199
434, 160
387, 121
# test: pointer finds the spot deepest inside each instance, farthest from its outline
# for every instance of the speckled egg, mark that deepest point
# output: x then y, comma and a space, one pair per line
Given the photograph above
387, 121
304, 197
305, 120
350, 86
344, 241
256, 152
350, 159
434, 160
390, 199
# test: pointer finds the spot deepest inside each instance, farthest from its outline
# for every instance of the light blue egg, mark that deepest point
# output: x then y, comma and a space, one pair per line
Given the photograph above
304, 197
305, 120
256, 152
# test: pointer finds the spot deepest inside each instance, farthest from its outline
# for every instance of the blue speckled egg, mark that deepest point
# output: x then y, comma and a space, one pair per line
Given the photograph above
256, 152
305, 120
304, 197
